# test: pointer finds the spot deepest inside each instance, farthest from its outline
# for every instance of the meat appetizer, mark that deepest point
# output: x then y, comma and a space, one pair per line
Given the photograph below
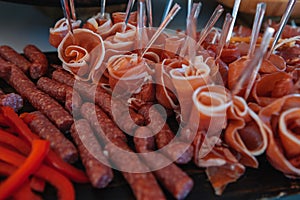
149, 102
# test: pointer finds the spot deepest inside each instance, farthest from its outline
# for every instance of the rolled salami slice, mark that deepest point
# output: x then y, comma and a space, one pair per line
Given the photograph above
99, 24
186, 80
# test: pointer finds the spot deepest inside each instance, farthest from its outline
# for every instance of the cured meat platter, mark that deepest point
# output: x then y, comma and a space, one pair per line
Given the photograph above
124, 110
262, 183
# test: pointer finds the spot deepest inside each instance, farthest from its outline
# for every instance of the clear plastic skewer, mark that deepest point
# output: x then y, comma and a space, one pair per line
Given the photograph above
127, 13
166, 11
149, 13
225, 30
102, 8
283, 21
66, 11
162, 27
235, 10
254, 65
210, 24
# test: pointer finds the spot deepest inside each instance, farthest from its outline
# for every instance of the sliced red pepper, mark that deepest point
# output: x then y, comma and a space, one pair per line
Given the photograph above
17, 124
14, 141
27, 117
64, 187
37, 184
53, 159
24, 192
70, 171
2, 120
38, 152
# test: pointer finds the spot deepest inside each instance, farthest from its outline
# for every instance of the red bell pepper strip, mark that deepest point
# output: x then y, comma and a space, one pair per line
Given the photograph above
68, 170
38, 152
2, 120
14, 141
13, 120
60, 182
25, 191
53, 159
37, 184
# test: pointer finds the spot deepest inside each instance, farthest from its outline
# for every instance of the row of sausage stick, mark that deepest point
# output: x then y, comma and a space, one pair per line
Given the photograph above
85, 110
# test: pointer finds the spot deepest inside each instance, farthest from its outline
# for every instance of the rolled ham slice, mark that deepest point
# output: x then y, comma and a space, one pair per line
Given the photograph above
186, 80
117, 28
245, 132
274, 63
209, 113
222, 167
271, 87
283, 127
165, 90
117, 42
128, 75
81, 53
60, 30
120, 17
98, 24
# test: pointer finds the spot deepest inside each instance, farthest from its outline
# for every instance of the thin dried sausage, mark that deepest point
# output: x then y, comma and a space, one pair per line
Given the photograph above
39, 62
9, 54
100, 175
40, 125
176, 181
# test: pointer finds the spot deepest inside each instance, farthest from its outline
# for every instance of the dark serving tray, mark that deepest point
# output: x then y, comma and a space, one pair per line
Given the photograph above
262, 183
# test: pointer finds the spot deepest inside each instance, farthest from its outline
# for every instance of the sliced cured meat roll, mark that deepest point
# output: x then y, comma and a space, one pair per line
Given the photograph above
222, 167
60, 30
186, 80
81, 53
120, 17
129, 75
245, 132
282, 120
271, 87
98, 24
209, 113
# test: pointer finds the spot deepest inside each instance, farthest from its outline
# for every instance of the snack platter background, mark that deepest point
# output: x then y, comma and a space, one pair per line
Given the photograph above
23, 24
